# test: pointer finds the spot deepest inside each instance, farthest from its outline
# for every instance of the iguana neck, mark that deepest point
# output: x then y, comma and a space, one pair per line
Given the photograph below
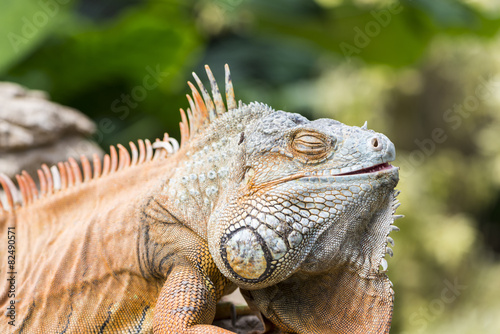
333, 302
207, 171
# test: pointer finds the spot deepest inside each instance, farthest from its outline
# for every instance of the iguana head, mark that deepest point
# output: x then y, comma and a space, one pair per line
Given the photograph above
307, 199
306, 196
299, 201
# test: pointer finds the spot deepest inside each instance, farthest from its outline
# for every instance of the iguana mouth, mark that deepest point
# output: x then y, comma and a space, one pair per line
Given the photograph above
328, 175
373, 169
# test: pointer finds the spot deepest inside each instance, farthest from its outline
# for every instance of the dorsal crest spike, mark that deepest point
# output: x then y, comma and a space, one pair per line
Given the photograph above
203, 110
192, 122
158, 144
200, 110
96, 161
114, 158
184, 127
174, 143
209, 104
43, 182
10, 190
219, 103
63, 175
23, 189
48, 177
31, 183
87, 170
56, 177
149, 150
29, 195
142, 151
70, 173
231, 101
157, 153
75, 169
192, 106
124, 160
106, 164
135, 153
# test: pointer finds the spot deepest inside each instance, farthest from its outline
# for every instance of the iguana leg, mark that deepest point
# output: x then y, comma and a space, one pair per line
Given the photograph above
186, 304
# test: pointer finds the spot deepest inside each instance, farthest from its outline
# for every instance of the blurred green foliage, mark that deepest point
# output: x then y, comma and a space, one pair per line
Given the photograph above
424, 72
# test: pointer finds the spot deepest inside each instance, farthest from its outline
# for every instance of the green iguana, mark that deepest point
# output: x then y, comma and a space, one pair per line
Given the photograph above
296, 213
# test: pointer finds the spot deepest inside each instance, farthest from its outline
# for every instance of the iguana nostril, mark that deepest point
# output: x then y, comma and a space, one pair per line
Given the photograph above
376, 144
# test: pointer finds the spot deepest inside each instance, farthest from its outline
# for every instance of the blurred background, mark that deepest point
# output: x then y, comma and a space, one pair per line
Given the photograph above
426, 73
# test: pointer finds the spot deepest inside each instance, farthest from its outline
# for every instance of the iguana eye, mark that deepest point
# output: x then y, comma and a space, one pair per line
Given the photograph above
313, 145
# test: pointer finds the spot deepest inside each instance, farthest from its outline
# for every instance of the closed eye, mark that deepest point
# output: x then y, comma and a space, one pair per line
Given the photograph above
310, 145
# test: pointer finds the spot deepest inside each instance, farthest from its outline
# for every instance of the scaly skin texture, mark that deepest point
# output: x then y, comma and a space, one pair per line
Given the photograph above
296, 213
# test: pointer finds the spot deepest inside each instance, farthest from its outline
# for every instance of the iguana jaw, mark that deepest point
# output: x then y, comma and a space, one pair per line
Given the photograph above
335, 175
372, 169
360, 231
332, 175
253, 233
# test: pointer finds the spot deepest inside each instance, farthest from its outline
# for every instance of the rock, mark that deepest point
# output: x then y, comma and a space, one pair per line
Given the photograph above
34, 130
243, 325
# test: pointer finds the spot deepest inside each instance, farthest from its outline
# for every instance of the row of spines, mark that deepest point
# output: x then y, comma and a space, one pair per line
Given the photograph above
69, 174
